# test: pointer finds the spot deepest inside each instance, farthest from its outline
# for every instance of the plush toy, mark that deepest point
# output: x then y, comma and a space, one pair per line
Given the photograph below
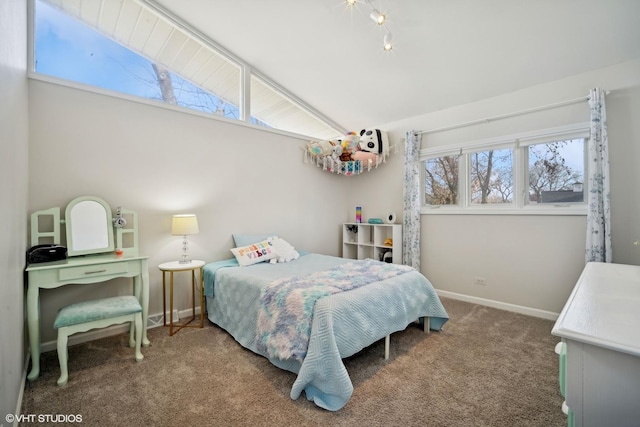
388, 241
285, 251
373, 147
374, 141
336, 152
346, 154
333, 160
321, 148
365, 156
350, 142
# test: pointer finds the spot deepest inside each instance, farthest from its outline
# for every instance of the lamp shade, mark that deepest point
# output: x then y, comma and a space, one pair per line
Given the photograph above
184, 225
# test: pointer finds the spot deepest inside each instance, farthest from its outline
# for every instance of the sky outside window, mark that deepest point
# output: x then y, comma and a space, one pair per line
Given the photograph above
69, 50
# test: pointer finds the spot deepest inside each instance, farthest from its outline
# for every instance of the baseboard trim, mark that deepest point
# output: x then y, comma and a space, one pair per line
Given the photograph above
529, 311
23, 384
153, 321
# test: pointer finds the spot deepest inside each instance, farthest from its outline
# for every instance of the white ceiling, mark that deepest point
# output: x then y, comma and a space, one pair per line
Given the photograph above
446, 52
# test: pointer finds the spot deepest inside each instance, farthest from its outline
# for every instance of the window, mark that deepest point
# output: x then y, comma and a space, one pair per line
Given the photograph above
491, 176
133, 48
555, 172
441, 180
278, 110
539, 172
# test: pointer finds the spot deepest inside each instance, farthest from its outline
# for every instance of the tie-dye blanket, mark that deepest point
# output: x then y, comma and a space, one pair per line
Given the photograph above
286, 309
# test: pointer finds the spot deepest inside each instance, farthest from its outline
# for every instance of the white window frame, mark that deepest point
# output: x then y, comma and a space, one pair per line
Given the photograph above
246, 71
519, 143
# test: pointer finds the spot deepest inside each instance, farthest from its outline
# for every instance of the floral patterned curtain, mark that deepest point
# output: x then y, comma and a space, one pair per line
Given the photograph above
599, 209
411, 210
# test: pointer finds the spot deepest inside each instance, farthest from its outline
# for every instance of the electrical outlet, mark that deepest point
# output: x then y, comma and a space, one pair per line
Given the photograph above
480, 280
176, 316
157, 319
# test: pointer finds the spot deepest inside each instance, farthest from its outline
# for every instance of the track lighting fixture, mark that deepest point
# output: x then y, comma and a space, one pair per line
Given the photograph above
387, 45
379, 18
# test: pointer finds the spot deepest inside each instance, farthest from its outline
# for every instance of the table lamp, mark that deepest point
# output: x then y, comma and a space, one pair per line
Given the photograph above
184, 225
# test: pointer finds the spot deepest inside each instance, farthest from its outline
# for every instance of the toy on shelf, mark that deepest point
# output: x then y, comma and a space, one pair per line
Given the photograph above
388, 241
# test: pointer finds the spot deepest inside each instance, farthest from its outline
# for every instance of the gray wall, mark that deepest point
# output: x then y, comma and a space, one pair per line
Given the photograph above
531, 262
13, 203
159, 162
240, 179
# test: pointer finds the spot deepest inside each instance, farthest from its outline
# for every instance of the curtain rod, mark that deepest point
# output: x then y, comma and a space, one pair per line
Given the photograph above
507, 115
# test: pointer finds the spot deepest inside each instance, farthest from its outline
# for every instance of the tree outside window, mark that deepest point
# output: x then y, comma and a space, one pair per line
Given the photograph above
491, 176
441, 180
556, 172
513, 174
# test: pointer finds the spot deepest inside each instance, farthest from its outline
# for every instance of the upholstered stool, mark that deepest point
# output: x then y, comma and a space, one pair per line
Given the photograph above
101, 313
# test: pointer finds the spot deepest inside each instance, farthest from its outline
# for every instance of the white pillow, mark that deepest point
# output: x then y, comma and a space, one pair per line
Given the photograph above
254, 253
285, 251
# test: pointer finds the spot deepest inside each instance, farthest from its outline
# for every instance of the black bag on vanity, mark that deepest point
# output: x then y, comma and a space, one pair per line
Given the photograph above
46, 253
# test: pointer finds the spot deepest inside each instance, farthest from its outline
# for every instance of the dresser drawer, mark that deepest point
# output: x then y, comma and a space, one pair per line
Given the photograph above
88, 271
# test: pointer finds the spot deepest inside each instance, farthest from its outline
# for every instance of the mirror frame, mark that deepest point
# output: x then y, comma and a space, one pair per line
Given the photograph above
71, 251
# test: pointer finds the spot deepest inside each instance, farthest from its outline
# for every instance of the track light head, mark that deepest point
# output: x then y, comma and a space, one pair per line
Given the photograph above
388, 42
377, 17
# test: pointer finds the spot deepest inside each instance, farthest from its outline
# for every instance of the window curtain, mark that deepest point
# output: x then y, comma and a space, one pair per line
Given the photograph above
599, 210
411, 209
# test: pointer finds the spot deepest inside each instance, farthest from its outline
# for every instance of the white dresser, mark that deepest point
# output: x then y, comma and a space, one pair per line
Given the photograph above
600, 328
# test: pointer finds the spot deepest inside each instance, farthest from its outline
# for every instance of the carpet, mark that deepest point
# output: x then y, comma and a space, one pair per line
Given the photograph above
487, 367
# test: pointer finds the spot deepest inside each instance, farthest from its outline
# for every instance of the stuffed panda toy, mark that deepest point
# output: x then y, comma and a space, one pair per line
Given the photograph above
374, 141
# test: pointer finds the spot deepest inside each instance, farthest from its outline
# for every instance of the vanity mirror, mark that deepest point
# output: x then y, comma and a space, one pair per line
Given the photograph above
88, 226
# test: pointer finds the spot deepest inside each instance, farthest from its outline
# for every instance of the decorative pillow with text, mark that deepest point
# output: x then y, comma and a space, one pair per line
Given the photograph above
254, 253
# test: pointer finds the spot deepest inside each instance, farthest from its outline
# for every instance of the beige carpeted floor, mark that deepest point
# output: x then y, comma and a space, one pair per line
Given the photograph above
486, 368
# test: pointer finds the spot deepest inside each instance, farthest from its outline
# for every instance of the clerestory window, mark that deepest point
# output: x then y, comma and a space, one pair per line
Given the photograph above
138, 49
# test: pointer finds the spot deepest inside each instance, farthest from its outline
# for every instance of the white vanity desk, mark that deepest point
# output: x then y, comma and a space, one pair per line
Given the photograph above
92, 259
81, 270
600, 326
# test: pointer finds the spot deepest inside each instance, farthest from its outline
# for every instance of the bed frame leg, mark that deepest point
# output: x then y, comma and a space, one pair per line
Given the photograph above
426, 324
387, 342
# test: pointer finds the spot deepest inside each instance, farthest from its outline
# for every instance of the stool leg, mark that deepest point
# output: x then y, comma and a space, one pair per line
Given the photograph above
138, 329
132, 332
63, 355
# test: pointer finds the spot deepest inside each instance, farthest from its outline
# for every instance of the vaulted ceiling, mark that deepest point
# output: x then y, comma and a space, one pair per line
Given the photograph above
446, 52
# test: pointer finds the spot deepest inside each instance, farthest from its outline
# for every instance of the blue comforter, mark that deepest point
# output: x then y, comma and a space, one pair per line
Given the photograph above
343, 323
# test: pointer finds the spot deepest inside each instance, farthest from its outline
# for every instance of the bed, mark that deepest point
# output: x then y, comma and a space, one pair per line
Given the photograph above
340, 325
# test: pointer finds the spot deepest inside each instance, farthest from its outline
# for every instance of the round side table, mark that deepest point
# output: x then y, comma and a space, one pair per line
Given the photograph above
172, 267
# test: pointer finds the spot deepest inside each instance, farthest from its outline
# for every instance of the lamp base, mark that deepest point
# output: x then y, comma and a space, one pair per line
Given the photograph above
185, 252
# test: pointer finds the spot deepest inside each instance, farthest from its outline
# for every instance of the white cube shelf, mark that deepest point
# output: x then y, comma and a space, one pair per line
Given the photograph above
364, 240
